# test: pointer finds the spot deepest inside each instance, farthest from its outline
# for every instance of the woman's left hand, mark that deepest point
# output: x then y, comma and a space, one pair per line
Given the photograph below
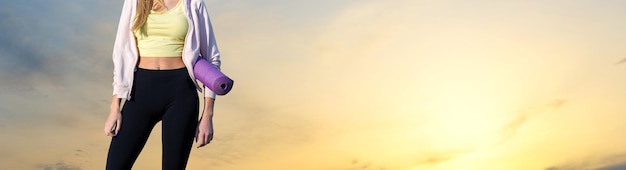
204, 132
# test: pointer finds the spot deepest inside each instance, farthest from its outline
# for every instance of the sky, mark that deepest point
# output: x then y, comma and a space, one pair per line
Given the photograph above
341, 85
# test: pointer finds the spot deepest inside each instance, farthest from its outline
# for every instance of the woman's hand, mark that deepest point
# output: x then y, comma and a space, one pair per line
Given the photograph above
113, 123
204, 132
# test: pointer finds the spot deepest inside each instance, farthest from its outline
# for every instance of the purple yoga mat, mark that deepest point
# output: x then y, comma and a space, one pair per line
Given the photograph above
211, 77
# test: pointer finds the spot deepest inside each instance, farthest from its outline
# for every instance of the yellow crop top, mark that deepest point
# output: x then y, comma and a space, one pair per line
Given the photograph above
163, 34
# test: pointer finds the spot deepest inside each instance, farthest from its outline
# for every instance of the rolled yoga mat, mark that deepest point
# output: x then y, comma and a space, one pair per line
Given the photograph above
211, 77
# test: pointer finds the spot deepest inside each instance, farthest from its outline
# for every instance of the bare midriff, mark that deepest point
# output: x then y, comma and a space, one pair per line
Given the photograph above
161, 63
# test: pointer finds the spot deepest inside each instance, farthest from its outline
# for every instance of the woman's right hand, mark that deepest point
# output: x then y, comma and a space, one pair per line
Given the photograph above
113, 123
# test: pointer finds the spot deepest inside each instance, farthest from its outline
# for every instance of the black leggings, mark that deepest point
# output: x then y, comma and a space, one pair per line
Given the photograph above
167, 95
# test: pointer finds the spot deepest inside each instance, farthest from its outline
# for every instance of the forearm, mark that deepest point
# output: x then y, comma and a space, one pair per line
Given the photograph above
208, 108
115, 102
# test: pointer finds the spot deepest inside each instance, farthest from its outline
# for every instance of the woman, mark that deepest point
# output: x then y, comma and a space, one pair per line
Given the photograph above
157, 44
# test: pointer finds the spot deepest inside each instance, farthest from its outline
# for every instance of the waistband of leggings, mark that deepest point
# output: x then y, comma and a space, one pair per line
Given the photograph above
163, 72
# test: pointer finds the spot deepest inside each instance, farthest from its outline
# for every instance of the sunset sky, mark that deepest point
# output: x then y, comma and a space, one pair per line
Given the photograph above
341, 85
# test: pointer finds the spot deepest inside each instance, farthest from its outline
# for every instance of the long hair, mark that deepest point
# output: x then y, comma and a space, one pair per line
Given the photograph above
143, 10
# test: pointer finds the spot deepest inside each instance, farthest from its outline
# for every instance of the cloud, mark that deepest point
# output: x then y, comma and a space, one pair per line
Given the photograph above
38, 43
611, 162
361, 165
59, 166
436, 160
620, 166
55, 72
45, 59
510, 129
621, 61
416, 160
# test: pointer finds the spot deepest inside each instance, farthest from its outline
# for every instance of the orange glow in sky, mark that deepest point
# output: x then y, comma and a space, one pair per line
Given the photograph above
326, 85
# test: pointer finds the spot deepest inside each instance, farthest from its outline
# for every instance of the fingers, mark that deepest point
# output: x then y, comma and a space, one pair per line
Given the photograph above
107, 132
112, 127
209, 138
118, 126
204, 138
200, 139
108, 129
113, 123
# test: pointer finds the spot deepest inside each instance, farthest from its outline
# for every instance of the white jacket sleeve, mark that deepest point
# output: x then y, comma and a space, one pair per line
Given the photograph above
121, 41
208, 46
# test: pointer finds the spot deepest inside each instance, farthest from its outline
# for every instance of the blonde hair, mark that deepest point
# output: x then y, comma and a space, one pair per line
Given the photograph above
143, 10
